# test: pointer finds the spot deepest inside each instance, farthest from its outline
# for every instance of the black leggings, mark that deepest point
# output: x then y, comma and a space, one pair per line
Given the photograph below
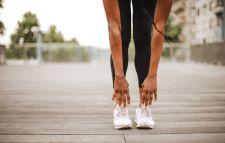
143, 14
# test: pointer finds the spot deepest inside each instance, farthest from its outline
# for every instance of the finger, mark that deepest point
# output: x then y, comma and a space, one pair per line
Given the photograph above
116, 91
151, 97
147, 99
143, 97
119, 91
113, 97
124, 100
155, 95
128, 97
118, 99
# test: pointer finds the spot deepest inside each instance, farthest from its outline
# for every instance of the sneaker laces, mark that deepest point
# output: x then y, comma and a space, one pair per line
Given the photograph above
146, 111
122, 112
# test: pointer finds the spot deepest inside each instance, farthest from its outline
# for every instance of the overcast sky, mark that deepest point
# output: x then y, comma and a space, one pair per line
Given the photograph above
83, 19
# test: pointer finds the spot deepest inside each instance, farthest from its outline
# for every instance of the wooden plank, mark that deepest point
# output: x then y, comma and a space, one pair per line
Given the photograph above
62, 138
101, 111
45, 106
73, 96
69, 127
191, 117
177, 138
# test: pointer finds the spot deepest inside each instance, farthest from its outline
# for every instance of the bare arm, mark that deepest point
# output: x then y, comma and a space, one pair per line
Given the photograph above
121, 93
161, 15
114, 25
149, 89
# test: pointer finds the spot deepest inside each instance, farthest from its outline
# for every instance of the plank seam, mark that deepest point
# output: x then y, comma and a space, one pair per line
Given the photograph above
121, 134
124, 138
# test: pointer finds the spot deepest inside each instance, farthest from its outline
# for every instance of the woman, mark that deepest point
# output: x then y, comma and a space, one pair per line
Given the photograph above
149, 20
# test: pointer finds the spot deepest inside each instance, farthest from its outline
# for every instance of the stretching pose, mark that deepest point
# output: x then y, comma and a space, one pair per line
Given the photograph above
149, 20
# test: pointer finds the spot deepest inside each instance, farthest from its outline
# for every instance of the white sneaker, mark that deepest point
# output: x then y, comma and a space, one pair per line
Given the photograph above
144, 118
121, 118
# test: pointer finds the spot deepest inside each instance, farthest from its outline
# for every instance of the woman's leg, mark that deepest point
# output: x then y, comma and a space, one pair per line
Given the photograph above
143, 15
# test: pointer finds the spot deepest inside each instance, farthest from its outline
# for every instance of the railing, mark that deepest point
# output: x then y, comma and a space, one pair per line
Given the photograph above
65, 52
213, 53
174, 51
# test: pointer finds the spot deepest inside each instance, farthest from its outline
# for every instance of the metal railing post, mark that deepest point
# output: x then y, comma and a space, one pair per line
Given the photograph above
38, 47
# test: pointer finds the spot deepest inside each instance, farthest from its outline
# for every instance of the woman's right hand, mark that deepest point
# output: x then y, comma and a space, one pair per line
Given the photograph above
121, 91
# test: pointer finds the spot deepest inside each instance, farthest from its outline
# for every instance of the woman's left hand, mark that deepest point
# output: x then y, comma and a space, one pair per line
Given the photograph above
149, 90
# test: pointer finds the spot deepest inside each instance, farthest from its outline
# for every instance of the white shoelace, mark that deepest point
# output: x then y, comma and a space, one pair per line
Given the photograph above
146, 111
122, 112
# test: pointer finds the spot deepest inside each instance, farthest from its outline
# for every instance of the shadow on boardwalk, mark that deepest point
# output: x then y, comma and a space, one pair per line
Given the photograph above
72, 103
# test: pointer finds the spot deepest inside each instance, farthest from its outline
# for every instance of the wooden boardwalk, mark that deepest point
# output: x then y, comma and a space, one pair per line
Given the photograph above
72, 103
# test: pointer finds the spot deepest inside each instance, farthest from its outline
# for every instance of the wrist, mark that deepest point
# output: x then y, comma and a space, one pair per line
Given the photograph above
119, 76
152, 76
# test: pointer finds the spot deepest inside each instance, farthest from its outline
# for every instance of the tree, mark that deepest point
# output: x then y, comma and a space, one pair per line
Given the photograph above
52, 35
24, 31
2, 27
74, 40
172, 31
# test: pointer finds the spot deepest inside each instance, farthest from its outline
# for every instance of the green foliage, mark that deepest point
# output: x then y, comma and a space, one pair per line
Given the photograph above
172, 31
74, 40
172, 35
23, 31
2, 27
52, 35
63, 54
59, 54
166, 52
84, 55
1, 5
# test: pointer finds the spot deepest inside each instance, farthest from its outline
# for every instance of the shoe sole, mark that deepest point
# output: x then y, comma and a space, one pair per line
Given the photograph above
144, 126
123, 127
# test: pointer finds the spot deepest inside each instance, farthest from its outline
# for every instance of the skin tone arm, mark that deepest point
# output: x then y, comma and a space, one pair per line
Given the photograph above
121, 93
149, 87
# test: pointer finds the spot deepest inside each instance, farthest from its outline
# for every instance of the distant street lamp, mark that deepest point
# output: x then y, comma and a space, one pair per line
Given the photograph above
37, 32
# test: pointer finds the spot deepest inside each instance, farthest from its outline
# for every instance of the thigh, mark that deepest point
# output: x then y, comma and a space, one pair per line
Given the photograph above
125, 16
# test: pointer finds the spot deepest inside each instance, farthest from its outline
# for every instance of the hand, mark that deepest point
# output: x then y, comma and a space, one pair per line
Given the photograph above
121, 91
149, 90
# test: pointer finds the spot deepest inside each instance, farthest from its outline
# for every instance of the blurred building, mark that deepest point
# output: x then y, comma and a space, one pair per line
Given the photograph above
202, 20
